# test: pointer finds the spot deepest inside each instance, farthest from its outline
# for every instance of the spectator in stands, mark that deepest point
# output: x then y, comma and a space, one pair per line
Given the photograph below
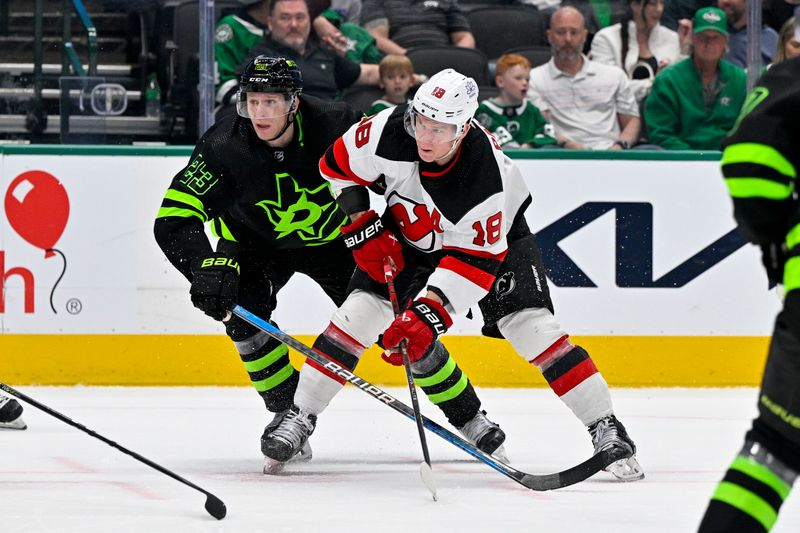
640, 45
325, 73
514, 120
401, 24
695, 103
591, 105
397, 76
788, 44
235, 36
736, 11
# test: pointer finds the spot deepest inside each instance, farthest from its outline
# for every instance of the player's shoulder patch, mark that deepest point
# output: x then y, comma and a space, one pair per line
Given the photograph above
224, 33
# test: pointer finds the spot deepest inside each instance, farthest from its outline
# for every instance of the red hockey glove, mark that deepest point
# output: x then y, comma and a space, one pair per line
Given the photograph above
371, 244
420, 325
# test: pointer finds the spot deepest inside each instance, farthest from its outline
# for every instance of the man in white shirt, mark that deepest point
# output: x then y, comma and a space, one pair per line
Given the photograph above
590, 105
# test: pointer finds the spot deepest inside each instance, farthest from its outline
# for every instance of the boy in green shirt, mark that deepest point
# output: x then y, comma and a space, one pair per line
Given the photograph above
514, 121
397, 76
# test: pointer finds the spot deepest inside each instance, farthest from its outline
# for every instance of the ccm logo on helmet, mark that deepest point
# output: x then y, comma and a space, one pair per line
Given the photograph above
259, 80
438, 92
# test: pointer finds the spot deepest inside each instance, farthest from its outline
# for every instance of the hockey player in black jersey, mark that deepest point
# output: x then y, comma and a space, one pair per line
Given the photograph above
11, 414
254, 178
760, 162
456, 205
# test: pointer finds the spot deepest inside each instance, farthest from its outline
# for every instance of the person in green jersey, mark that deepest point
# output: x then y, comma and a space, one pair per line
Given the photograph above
235, 35
514, 120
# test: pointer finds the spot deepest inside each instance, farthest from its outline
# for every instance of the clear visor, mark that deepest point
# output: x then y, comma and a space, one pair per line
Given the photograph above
257, 105
428, 130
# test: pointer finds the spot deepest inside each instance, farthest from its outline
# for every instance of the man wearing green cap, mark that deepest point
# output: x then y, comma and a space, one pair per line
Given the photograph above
695, 102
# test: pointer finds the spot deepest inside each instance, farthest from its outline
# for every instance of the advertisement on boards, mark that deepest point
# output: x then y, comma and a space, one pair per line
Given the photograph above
631, 248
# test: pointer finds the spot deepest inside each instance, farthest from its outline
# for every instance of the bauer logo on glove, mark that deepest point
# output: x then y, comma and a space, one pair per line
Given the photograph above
372, 244
215, 284
420, 325
220, 261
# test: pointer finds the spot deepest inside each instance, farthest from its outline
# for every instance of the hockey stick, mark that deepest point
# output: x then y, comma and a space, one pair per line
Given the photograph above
425, 470
536, 482
214, 505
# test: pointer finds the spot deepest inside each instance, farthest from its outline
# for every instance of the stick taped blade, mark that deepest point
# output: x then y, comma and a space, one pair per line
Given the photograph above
215, 507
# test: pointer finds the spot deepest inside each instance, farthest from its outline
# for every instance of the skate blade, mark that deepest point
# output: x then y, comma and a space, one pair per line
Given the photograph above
501, 455
273, 467
19, 423
626, 469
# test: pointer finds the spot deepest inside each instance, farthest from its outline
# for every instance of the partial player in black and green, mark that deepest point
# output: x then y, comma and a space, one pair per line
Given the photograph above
749, 497
273, 214
760, 162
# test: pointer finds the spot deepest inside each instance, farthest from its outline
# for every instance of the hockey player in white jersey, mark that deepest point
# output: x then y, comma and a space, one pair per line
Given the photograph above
455, 228
11, 414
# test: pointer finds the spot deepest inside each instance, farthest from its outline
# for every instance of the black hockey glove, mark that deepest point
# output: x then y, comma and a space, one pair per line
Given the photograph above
773, 255
215, 284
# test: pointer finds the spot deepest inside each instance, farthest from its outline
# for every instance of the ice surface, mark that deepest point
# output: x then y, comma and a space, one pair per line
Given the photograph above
365, 471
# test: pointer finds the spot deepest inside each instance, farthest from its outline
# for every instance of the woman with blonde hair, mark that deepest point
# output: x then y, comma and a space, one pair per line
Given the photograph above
788, 44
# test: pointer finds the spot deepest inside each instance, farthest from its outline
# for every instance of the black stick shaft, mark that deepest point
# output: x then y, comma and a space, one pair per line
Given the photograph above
217, 509
387, 269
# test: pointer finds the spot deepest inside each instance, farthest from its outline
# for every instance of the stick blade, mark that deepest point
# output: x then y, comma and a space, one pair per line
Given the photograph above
216, 507
426, 473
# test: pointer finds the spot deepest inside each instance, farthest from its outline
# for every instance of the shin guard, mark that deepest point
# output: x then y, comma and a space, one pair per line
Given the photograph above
319, 385
573, 377
272, 374
446, 385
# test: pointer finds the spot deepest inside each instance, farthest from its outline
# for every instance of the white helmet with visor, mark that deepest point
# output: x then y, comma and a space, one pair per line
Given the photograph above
448, 98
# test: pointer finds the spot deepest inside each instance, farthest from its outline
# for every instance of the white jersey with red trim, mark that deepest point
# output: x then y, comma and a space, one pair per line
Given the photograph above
464, 209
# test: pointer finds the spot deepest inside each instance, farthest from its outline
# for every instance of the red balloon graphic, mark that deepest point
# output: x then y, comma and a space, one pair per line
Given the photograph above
37, 207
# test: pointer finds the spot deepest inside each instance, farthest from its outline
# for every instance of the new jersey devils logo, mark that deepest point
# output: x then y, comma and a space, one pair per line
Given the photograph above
419, 226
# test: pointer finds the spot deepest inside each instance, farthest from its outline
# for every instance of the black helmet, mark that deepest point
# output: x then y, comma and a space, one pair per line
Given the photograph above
266, 74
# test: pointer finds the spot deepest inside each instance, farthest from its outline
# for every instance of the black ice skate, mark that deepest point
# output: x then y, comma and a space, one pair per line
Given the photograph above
11, 414
302, 455
287, 439
486, 435
608, 433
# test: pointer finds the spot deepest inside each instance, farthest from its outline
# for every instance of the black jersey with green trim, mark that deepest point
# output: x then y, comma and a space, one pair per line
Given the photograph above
251, 193
464, 211
761, 156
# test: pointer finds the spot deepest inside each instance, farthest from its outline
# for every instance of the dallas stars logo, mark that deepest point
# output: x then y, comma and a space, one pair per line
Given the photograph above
303, 216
